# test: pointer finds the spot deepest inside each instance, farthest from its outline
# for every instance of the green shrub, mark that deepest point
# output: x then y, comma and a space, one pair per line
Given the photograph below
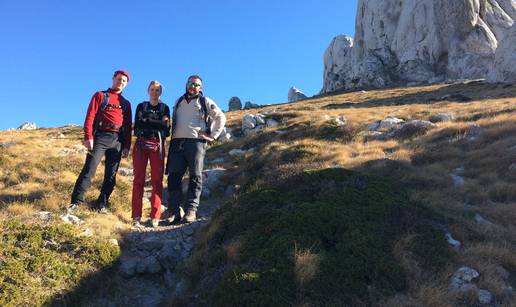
350, 220
37, 261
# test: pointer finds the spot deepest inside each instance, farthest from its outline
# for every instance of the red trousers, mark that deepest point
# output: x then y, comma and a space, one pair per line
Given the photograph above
141, 155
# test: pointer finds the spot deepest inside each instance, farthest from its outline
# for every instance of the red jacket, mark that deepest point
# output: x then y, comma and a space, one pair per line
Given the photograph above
110, 115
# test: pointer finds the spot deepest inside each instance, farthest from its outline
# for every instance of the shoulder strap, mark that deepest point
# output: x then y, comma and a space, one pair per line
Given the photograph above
145, 106
204, 108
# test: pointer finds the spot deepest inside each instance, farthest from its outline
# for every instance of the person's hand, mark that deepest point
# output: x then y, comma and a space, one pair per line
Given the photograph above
204, 136
88, 144
125, 153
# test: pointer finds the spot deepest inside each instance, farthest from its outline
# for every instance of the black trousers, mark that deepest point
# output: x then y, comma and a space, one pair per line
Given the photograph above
104, 144
183, 154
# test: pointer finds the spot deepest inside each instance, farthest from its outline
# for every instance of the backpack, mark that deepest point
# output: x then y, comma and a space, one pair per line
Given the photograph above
103, 106
204, 109
146, 110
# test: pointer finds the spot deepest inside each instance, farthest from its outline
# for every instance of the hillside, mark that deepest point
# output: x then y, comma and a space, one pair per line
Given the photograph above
329, 207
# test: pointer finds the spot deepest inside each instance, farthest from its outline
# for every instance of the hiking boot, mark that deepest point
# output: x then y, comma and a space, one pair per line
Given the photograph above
190, 216
174, 219
102, 209
154, 223
71, 208
137, 223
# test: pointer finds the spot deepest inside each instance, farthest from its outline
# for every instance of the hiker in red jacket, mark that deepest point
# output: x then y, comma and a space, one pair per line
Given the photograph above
107, 133
151, 127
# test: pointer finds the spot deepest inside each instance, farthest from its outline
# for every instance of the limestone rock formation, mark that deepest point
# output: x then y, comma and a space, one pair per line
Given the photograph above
235, 104
28, 126
504, 68
295, 94
420, 41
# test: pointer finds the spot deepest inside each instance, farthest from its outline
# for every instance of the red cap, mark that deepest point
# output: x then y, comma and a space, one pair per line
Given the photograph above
123, 72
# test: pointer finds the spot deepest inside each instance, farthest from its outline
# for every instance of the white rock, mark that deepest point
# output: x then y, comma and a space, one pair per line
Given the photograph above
113, 241
225, 135
340, 120
389, 123
248, 121
481, 220
504, 69
452, 241
271, 123
295, 94
421, 40
461, 279
70, 219
473, 132
485, 296
458, 181
260, 119
28, 126
442, 117
124, 171
45, 216
86, 233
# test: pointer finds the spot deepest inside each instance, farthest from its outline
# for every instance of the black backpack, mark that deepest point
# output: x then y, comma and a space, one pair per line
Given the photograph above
103, 106
146, 110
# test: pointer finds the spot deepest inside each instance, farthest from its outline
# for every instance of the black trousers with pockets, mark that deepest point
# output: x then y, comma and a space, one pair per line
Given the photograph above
183, 154
104, 144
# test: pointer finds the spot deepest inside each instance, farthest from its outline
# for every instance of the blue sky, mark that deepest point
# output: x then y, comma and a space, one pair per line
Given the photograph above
55, 54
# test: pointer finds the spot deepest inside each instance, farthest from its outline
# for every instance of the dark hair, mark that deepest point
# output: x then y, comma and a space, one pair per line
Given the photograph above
194, 77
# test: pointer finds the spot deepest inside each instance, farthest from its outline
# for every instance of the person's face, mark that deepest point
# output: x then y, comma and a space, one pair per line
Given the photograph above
194, 86
154, 92
119, 82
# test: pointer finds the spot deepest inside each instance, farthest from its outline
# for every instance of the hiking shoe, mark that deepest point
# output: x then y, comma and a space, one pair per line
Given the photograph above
174, 220
190, 216
71, 208
154, 223
102, 210
137, 223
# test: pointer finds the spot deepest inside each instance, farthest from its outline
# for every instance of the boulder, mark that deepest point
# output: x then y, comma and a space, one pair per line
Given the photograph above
442, 117
235, 104
462, 278
249, 105
295, 94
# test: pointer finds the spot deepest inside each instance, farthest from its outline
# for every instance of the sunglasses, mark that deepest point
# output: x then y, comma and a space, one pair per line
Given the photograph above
193, 84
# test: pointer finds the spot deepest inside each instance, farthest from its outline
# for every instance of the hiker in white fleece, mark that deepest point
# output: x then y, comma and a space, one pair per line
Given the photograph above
196, 120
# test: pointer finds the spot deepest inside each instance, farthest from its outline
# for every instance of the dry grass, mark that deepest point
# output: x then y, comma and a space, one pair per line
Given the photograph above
34, 177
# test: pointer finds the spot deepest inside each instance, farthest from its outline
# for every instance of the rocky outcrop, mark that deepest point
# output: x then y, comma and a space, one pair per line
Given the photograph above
235, 104
294, 94
250, 105
28, 126
504, 68
420, 41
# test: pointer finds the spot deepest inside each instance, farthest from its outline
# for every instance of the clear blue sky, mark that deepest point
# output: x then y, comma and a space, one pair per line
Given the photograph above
55, 54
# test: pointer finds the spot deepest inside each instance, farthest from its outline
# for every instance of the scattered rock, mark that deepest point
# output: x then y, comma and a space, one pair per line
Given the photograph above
295, 94
458, 179
239, 152
485, 297
113, 241
45, 216
210, 180
86, 233
473, 132
28, 126
442, 117
461, 279
452, 241
127, 172
225, 135
388, 123
413, 128
7, 144
150, 244
56, 135
235, 104
249, 105
271, 123
70, 219
481, 220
